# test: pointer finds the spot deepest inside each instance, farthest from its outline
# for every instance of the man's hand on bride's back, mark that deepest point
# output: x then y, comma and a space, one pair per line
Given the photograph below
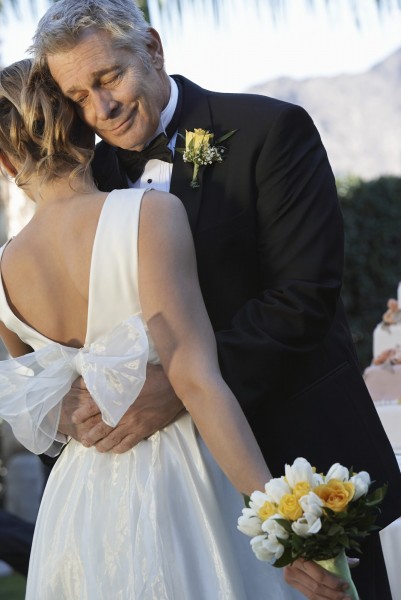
156, 406
79, 413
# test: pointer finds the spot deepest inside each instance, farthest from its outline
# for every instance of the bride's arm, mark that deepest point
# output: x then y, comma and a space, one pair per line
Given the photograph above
173, 307
12, 342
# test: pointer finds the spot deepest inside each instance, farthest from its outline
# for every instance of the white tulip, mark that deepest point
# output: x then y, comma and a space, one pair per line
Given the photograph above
312, 504
307, 525
361, 482
269, 547
276, 488
300, 470
337, 471
274, 546
261, 552
257, 500
318, 479
249, 523
310, 522
271, 527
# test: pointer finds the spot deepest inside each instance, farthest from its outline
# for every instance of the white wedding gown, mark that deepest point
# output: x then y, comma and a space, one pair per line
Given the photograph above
155, 523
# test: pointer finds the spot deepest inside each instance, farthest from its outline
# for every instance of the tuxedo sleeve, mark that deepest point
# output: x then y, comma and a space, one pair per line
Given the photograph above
300, 250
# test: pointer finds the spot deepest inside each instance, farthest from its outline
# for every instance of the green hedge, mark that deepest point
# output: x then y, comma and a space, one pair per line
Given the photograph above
12, 587
372, 221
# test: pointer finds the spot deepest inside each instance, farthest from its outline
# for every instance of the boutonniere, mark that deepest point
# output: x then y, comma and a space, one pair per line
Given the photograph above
200, 151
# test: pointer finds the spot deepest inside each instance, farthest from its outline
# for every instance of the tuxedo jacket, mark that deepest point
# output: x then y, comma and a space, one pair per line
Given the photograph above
268, 235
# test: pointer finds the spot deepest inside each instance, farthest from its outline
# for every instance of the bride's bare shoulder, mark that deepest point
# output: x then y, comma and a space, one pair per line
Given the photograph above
162, 211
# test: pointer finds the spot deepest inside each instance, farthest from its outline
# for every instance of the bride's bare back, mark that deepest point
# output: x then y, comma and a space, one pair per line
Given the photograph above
46, 267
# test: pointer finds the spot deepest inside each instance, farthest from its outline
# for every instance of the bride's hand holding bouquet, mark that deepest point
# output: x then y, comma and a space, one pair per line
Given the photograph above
309, 515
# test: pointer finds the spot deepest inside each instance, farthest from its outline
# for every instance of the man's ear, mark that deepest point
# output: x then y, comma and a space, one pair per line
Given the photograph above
155, 49
7, 164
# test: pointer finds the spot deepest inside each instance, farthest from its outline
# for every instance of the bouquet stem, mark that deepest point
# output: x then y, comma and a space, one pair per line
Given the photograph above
339, 566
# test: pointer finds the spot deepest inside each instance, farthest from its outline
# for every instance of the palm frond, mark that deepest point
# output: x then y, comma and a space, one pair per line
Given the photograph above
219, 7
15, 6
278, 8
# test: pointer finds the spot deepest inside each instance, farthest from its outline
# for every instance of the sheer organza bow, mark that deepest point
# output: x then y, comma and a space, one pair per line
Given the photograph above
33, 386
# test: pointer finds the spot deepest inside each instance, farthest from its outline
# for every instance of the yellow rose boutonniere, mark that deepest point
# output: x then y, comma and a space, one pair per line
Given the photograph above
200, 151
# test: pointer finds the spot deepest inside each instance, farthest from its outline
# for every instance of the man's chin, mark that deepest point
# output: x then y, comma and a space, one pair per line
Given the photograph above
123, 143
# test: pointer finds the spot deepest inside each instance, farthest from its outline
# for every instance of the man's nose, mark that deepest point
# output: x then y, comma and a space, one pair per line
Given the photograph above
103, 105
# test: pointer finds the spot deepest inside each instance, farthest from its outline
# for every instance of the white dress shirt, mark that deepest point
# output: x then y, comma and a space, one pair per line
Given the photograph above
157, 173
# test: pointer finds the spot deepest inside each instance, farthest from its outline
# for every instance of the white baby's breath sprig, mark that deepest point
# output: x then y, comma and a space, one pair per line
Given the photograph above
200, 151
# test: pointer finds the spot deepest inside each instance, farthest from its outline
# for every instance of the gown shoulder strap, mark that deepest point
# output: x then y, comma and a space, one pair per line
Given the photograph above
113, 285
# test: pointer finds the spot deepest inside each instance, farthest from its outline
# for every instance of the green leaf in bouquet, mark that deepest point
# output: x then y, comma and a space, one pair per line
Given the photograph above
376, 496
355, 545
297, 543
335, 529
344, 540
285, 559
247, 500
340, 516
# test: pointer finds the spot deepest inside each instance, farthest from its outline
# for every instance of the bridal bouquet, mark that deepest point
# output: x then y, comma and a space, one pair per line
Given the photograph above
313, 516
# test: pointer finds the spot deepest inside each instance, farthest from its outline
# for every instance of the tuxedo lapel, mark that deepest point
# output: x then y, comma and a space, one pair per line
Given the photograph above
195, 113
180, 187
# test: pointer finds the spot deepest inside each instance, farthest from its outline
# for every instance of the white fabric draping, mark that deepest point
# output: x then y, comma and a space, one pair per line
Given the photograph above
32, 386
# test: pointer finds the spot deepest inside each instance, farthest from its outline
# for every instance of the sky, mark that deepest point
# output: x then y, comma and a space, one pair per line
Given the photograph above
246, 45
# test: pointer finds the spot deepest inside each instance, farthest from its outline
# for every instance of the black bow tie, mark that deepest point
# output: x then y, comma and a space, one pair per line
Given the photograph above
133, 162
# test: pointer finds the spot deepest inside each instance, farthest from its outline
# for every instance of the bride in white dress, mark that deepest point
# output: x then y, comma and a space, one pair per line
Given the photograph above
159, 521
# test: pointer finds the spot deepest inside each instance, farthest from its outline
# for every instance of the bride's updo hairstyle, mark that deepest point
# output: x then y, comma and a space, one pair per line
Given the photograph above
39, 131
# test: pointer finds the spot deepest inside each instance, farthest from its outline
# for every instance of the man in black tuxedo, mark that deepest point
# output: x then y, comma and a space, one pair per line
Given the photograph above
269, 241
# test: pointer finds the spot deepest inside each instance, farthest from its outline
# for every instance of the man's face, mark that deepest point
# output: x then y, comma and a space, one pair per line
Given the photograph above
114, 93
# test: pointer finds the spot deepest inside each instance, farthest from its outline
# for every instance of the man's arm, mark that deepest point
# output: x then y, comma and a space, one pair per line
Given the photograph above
300, 252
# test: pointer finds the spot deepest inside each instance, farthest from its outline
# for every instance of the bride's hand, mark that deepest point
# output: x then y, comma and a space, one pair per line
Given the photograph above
315, 582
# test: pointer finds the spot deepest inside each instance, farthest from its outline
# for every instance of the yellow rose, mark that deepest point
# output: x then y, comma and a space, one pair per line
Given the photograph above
197, 139
267, 510
301, 489
336, 494
289, 507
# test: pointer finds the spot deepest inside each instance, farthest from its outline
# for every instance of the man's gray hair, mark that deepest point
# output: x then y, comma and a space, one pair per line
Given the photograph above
61, 28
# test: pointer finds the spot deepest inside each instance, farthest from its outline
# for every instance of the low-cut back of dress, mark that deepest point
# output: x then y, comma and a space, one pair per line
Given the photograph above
159, 521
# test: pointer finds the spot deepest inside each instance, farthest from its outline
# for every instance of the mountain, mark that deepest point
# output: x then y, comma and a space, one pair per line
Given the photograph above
358, 116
